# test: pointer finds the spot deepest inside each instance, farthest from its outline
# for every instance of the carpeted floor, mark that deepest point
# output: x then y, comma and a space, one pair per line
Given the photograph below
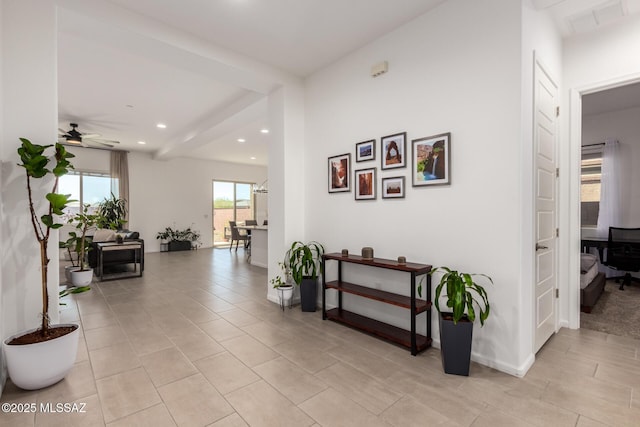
616, 312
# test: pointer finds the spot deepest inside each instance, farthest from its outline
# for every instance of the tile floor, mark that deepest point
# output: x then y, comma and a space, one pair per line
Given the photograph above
195, 343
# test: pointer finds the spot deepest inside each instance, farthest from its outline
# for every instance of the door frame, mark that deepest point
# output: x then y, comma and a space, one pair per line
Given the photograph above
572, 239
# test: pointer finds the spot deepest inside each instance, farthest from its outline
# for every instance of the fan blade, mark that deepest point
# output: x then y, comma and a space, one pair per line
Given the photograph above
93, 141
62, 131
110, 141
90, 135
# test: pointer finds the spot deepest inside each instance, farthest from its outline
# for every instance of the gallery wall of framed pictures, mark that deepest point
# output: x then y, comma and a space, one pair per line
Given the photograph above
430, 164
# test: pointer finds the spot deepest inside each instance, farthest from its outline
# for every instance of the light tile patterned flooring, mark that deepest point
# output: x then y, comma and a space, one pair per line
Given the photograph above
195, 343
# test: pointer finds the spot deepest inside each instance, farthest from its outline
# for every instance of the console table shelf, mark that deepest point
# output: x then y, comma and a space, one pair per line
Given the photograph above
377, 328
409, 339
378, 295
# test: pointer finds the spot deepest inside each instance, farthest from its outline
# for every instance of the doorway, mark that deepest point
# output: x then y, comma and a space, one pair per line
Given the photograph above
574, 216
232, 201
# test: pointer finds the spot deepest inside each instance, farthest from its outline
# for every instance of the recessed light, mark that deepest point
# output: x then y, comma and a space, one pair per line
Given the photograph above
241, 140
252, 158
264, 130
141, 142
161, 126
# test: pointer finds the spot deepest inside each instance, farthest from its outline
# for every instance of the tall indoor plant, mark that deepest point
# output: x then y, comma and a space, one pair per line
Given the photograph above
111, 213
41, 357
466, 299
84, 221
303, 261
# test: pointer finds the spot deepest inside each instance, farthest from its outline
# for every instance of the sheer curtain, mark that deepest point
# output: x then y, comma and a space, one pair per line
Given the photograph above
609, 214
120, 177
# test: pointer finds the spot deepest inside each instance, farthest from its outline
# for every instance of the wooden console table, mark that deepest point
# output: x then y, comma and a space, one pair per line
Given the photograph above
409, 339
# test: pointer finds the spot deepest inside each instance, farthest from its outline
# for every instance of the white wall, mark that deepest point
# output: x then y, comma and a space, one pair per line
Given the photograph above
173, 193
591, 62
29, 109
455, 69
624, 126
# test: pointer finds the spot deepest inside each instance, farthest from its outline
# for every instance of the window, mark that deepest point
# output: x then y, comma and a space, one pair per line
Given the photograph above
85, 187
591, 173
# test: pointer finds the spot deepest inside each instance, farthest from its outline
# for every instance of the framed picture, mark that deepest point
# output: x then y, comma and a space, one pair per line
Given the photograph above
366, 151
393, 151
339, 173
393, 187
431, 160
365, 182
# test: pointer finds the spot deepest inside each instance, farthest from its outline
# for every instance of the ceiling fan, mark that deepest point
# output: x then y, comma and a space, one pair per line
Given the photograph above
84, 139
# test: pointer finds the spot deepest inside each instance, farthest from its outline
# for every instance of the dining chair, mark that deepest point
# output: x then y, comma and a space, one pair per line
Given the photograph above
237, 236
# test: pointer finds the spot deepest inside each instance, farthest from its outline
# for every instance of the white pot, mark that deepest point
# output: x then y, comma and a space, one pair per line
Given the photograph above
81, 278
285, 295
39, 365
285, 292
67, 272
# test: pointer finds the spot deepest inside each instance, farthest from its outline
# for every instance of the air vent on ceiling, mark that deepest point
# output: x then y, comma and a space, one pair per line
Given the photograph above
602, 14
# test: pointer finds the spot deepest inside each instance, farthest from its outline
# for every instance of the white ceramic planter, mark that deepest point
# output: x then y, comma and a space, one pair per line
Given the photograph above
35, 366
81, 278
285, 295
67, 272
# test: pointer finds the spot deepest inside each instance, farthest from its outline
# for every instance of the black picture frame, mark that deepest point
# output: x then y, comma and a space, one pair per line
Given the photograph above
366, 150
339, 173
365, 184
427, 164
393, 151
393, 187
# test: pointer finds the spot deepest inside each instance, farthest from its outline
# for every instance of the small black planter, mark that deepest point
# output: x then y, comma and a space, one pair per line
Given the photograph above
308, 294
455, 344
179, 245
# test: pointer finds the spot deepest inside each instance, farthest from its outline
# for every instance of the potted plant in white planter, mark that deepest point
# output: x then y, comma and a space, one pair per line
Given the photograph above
84, 221
456, 326
40, 357
283, 287
303, 260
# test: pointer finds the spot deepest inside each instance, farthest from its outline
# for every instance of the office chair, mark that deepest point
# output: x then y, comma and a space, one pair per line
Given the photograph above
623, 253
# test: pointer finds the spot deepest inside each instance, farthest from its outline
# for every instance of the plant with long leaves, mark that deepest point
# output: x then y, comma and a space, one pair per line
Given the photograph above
111, 213
35, 163
462, 292
303, 260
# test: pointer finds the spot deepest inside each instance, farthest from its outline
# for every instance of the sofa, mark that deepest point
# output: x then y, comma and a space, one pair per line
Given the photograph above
591, 282
115, 259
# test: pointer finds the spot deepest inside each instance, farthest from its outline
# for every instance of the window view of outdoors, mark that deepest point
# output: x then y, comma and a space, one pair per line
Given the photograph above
84, 187
590, 190
232, 201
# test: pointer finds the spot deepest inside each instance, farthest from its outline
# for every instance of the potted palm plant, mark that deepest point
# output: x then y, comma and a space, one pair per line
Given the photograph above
84, 221
456, 326
303, 260
40, 357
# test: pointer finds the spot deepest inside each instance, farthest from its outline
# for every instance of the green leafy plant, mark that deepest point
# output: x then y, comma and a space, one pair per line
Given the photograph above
111, 213
462, 292
187, 235
35, 163
278, 281
303, 260
84, 221
73, 290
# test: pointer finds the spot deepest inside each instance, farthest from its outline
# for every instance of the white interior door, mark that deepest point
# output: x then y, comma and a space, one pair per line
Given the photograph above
545, 118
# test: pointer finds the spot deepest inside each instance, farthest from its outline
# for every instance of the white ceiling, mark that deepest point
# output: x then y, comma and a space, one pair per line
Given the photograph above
121, 70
